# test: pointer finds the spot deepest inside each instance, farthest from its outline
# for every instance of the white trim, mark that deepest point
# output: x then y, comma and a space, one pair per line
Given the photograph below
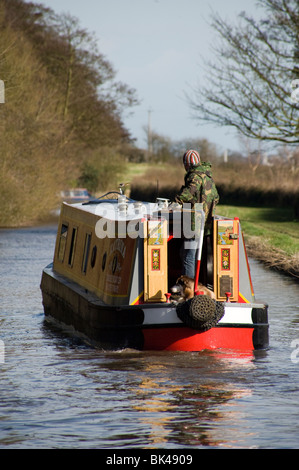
239, 315
160, 316
167, 315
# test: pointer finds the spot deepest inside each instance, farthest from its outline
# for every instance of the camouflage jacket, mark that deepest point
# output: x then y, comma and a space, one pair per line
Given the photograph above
200, 187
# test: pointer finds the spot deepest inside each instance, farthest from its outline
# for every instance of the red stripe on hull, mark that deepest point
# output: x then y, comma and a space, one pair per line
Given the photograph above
186, 339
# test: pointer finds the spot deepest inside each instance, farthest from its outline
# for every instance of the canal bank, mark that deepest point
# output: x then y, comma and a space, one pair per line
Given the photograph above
271, 235
272, 257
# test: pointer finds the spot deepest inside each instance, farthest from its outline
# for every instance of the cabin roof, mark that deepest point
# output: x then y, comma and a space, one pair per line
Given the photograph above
110, 209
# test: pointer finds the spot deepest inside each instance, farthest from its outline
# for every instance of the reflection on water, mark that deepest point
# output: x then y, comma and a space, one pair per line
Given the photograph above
183, 415
56, 392
184, 407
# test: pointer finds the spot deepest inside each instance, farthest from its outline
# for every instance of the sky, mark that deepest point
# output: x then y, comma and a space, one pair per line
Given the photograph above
158, 47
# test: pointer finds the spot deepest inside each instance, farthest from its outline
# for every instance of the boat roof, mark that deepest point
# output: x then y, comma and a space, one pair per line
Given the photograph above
114, 209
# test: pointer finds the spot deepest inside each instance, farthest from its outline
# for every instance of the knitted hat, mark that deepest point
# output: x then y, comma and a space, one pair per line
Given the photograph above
191, 158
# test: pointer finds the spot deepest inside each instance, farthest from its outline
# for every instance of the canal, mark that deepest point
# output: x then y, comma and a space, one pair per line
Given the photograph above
57, 392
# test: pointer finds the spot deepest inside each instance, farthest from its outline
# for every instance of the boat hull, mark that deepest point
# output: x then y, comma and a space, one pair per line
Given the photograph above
218, 337
148, 326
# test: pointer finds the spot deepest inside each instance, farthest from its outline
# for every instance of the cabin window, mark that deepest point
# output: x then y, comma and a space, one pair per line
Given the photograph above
72, 247
86, 252
62, 242
114, 264
93, 256
104, 259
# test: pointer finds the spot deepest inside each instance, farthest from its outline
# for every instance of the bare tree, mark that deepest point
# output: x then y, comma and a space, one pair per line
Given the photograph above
250, 80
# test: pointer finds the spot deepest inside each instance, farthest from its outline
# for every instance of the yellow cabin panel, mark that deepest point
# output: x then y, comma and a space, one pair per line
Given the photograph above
226, 258
155, 261
102, 265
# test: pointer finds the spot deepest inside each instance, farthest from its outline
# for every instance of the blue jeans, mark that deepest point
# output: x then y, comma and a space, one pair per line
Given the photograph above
189, 257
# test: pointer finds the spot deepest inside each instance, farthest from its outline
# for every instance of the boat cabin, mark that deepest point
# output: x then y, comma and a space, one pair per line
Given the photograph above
128, 252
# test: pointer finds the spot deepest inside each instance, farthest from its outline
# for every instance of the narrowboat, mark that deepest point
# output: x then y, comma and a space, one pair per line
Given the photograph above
113, 279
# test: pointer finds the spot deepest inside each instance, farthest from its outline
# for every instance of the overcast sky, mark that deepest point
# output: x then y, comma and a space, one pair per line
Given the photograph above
157, 48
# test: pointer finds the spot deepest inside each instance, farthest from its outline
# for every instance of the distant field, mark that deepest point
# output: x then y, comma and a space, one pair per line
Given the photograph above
134, 170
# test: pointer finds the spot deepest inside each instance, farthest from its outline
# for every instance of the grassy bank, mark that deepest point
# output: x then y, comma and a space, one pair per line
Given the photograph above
271, 235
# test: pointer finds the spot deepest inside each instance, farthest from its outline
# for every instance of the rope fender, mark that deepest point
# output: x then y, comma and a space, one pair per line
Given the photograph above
201, 312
